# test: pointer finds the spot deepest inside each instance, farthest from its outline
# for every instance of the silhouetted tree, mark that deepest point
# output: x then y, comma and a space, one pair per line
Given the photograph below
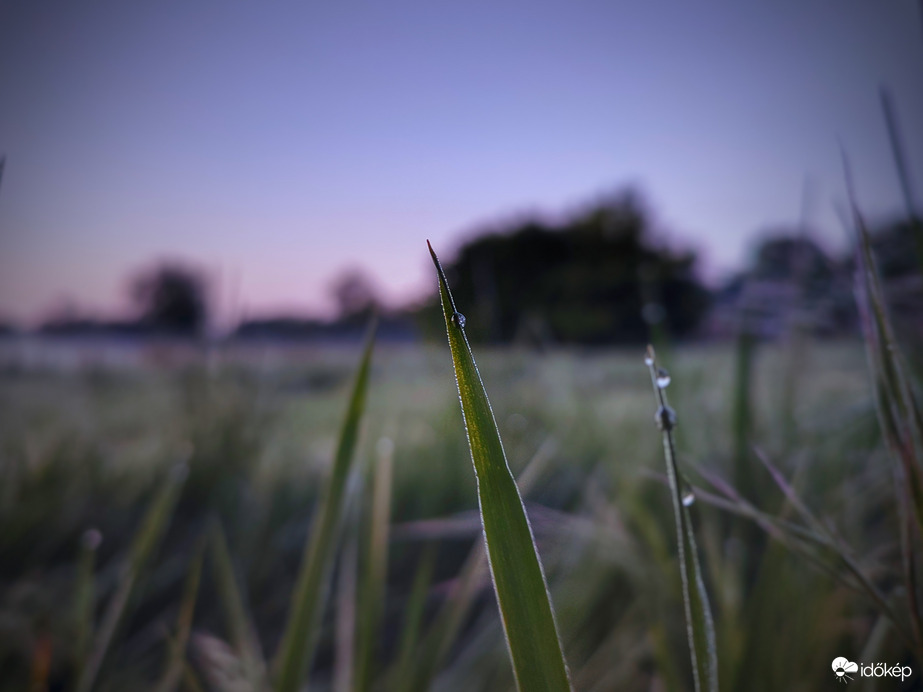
595, 278
172, 299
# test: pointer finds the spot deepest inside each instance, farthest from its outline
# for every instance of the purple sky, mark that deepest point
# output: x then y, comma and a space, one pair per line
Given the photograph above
280, 143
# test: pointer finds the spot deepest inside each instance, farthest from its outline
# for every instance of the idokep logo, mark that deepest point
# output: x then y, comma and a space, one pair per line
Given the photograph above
842, 668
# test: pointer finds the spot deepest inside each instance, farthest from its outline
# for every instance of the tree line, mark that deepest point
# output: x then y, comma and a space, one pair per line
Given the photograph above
599, 275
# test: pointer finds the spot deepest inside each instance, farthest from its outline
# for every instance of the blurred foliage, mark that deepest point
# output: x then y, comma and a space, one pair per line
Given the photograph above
596, 277
88, 449
172, 298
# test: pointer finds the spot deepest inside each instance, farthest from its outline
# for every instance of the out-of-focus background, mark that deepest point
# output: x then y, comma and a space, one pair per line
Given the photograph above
203, 205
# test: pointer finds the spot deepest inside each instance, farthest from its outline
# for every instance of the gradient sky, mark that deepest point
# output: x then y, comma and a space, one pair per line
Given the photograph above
278, 143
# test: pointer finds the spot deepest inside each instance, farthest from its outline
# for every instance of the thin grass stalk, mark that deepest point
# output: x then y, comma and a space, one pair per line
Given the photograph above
177, 662
85, 599
519, 582
191, 679
347, 613
376, 568
144, 543
297, 647
805, 541
700, 627
243, 633
898, 411
403, 677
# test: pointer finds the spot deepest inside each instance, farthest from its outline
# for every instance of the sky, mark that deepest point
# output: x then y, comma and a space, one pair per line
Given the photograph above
277, 144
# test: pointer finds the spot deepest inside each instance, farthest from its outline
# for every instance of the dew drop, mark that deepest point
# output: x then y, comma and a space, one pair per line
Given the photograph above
663, 378
458, 320
688, 499
648, 361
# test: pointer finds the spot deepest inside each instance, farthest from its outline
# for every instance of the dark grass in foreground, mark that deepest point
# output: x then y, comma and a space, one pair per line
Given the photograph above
90, 449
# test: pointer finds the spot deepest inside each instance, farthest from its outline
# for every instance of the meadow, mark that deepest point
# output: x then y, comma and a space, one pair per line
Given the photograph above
249, 438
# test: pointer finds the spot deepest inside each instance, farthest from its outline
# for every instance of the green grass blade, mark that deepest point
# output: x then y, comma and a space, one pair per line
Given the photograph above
243, 633
403, 676
174, 672
296, 649
145, 541
376, 567
84, 599
519, 583
700, 626
442, 634
898, 410
344, 665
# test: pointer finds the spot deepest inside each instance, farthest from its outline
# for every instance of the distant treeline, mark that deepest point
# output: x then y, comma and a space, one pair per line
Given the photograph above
600, 275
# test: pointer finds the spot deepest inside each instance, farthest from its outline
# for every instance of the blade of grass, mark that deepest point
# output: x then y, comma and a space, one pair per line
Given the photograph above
700, 627
84, 599
296, 648
145, 542
174, 672
443, 631
243, 633
376, 568
806, 541
519, 582
347, 612
898, 410
402, 679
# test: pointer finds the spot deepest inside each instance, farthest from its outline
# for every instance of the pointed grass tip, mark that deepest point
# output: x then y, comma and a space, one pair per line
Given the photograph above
444, 284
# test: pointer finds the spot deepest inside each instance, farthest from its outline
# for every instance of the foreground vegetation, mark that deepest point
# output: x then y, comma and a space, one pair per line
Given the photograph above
89, 449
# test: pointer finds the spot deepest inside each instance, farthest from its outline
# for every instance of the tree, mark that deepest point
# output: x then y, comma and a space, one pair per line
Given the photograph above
594, 278
172, 298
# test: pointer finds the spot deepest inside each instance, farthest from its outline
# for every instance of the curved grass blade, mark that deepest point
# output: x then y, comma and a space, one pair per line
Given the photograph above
296, 649
519, 583
699, 624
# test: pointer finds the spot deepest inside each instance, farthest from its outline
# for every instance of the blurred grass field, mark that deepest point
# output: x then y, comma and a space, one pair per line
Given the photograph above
86, 448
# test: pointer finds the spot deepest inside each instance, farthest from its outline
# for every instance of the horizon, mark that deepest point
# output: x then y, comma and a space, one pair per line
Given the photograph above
279, 147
